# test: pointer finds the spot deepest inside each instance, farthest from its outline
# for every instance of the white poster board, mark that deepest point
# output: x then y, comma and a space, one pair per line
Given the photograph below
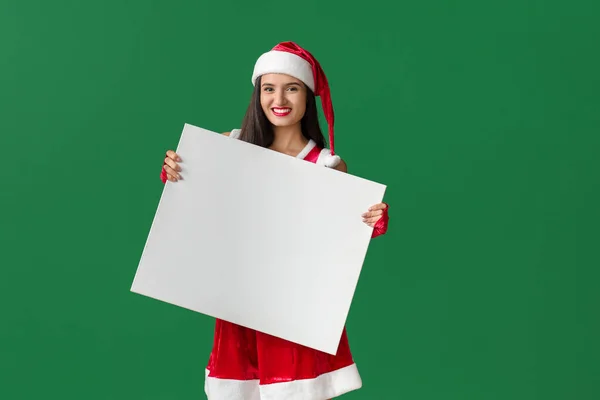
259, 238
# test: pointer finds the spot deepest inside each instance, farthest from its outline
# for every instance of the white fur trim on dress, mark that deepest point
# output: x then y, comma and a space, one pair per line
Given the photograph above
325, 158
323, 387
230, 389
311, 145
235, 133
282, 62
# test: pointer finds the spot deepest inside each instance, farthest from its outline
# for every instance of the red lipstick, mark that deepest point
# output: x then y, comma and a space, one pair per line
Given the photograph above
281, 112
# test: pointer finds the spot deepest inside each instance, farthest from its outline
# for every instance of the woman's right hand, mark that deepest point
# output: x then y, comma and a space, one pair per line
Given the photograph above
171, 166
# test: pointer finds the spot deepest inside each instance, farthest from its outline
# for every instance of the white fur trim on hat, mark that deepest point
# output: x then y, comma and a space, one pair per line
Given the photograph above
325, 158
332, 161
281, 62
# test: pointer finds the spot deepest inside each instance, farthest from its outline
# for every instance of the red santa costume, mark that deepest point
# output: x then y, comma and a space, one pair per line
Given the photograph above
249, 365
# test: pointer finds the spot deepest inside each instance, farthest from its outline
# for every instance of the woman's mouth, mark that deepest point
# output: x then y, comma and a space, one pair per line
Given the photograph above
281, 112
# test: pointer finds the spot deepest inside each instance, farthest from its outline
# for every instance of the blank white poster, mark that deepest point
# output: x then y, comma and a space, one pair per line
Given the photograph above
258, 238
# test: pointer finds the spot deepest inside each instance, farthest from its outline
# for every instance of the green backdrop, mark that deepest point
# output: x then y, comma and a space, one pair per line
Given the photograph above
482, 118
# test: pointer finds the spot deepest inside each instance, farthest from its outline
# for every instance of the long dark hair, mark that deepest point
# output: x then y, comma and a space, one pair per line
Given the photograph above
257, 129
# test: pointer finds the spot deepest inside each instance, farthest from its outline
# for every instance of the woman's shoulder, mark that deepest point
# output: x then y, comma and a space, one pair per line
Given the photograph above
341, 166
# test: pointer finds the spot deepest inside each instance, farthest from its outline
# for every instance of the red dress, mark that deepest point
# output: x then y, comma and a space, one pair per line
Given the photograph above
249, 365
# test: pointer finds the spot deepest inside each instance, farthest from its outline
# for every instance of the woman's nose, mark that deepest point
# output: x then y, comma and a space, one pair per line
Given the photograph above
281, 99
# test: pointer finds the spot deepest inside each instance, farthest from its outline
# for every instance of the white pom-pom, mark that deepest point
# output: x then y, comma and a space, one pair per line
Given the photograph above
332, 161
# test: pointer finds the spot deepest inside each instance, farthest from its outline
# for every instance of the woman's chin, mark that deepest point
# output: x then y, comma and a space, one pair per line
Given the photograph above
282, 122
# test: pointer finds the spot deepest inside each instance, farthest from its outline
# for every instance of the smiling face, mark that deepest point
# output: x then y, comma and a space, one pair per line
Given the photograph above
283, 99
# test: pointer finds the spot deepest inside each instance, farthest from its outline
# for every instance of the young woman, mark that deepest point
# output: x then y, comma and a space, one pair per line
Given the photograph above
282, 116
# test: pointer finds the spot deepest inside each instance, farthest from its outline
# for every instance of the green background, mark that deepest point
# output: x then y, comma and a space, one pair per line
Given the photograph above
482, 119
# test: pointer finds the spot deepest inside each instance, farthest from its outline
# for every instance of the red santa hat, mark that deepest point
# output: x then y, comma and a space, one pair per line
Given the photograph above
291, 59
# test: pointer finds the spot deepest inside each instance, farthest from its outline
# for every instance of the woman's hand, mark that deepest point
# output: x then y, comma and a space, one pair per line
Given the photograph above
374, 214
171, 167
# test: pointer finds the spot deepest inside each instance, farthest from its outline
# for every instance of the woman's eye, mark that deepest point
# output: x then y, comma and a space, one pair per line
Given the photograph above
293, 89
268, 89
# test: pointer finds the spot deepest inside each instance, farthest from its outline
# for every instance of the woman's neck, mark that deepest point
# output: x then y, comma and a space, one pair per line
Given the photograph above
288, 139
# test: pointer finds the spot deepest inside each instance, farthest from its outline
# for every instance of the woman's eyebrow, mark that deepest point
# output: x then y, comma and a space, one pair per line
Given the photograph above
287, 84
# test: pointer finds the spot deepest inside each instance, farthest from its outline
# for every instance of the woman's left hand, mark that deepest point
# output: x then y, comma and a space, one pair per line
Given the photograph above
374, 214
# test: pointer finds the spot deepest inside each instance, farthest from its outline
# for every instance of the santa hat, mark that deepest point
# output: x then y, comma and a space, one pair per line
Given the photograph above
291, 59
